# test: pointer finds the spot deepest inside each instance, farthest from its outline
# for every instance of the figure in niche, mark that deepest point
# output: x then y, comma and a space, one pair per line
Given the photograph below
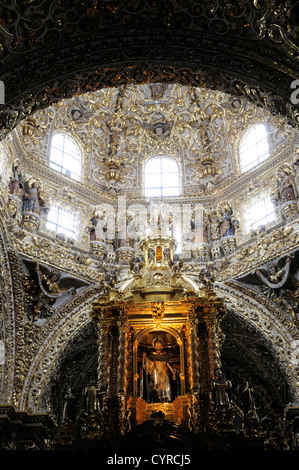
280, 286
135, 229
126, 233
167, 255
160, 217
98, 226
221, 394
214, 224
33, 200
248, 403
151, 255
16, 182
225, 220
287, 190
159, 378
157, 90
70, 407
92, 401
37, 309
131, 230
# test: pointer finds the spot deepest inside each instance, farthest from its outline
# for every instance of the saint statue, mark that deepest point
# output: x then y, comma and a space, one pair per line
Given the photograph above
98, 226
287, 190
33, 200
159, 376
221, 391
16, 182
92, 398
248, 403
225, 220
69, 408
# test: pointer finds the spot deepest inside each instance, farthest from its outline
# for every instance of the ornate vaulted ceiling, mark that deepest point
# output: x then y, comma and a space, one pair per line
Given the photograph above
52, 49
116, 127
223, 66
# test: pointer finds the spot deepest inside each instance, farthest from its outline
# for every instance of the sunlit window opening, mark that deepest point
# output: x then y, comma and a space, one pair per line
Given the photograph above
161, 177
177, 235
65, 156
62, 221
254, 148
260, 212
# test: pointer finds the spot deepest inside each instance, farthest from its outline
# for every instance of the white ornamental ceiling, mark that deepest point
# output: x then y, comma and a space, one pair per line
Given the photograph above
123, 127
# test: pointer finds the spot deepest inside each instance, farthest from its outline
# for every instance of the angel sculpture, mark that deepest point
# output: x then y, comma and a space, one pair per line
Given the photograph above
33, 197
50, 284
279, 285
54, 284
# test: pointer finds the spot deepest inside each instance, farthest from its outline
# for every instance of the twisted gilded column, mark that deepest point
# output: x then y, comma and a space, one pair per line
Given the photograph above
193, 355
215, 340
103, 348
121, 372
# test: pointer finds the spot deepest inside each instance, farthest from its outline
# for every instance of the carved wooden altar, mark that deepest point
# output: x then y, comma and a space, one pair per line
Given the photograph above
158, 300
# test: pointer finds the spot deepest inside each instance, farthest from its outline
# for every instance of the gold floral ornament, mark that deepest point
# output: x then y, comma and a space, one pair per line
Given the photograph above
158, 311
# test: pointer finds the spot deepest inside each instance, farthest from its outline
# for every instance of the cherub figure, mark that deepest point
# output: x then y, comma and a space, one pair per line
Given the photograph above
37, 309
279, 285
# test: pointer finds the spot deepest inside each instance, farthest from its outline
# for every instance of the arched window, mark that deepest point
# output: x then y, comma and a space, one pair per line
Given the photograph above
62, 221
65, 156
254, 148
259, 211
161, 177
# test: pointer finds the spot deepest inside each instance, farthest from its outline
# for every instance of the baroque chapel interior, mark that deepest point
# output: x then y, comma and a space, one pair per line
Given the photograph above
149, 248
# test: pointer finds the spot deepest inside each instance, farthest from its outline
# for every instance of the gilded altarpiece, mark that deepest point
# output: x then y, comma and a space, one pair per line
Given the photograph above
160, 305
